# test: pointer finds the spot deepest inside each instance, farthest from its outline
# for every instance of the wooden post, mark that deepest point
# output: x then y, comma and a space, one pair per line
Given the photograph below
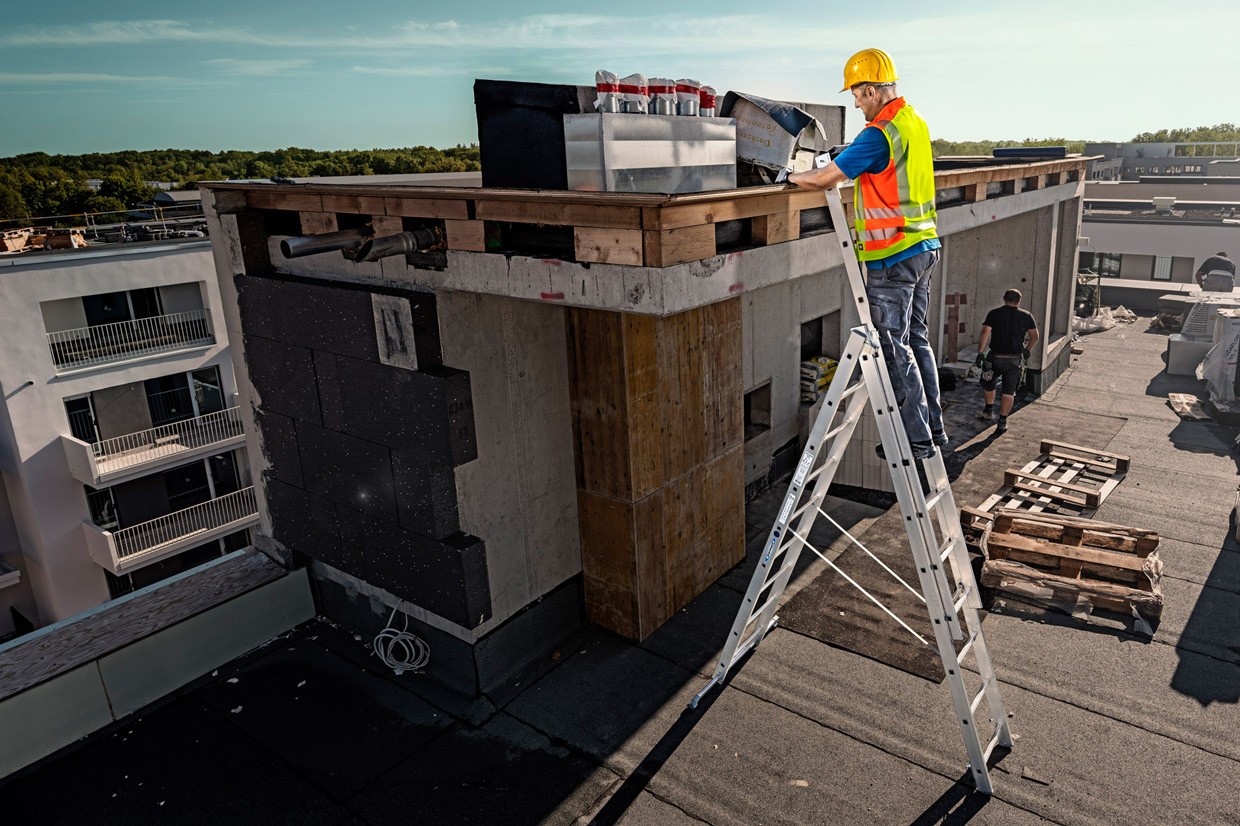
657, 419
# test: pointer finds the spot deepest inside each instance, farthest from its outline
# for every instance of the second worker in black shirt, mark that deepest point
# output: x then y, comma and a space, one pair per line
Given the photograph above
1010, 333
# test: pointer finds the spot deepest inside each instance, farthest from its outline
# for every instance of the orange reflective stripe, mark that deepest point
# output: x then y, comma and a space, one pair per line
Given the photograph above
884, 243
885, 222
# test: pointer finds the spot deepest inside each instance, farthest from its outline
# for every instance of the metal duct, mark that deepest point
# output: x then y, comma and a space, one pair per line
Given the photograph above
345, 239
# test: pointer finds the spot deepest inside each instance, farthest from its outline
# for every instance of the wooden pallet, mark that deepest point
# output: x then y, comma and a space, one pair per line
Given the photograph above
635, 229
1065, 479
1061, 560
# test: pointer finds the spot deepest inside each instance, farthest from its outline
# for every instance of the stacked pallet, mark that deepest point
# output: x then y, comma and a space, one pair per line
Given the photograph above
1065, 561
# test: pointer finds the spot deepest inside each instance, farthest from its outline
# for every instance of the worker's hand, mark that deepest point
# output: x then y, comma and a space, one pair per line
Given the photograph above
782, 177
1026, 353
980, 361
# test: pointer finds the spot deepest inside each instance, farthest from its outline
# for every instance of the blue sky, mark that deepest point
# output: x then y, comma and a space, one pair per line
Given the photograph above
222, 74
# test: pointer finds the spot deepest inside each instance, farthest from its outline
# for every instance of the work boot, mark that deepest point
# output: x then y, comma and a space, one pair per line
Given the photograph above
940, 438
986, 415
1001, 427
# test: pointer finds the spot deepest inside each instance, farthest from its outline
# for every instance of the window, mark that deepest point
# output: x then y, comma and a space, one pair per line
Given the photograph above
1105, 264
82, 419
1162, 268
102, 508
758, 411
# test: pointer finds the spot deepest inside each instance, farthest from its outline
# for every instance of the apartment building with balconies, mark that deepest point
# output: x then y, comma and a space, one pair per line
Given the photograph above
119, 435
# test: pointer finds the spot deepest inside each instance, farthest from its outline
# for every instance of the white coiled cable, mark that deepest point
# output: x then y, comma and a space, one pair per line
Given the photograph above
400, 650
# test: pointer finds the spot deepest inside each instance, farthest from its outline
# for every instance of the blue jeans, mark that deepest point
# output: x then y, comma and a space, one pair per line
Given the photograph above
899, 299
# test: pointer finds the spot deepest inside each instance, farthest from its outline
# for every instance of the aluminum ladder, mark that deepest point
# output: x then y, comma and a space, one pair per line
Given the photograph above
930, 520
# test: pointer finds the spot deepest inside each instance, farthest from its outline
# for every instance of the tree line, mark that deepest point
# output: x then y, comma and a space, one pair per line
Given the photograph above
52, 189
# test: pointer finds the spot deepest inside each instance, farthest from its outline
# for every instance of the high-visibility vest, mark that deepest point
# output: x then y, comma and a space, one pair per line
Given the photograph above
895, 207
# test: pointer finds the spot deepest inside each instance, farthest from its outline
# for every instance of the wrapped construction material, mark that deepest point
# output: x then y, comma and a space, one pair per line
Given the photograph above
662, 96
816, 376
706, 102
688, 93
608, 86
634, 92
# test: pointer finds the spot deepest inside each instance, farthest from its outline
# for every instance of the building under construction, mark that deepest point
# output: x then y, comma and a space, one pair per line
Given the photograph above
564, 398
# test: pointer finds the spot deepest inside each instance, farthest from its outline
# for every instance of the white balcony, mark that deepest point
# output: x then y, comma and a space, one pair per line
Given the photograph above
137, 546
111, 460
124, 340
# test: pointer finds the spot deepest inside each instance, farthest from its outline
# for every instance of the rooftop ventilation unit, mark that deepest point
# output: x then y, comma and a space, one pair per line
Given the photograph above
1163, 204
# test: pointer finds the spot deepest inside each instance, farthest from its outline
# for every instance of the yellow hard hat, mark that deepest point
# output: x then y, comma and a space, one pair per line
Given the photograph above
869, 66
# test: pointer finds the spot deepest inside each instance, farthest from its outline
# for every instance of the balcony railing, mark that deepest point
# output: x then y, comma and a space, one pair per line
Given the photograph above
105, 343
110, 459
133, 547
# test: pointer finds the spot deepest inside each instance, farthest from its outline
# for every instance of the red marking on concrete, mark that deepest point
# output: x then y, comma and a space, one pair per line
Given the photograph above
551, 296
555, 261
736, 288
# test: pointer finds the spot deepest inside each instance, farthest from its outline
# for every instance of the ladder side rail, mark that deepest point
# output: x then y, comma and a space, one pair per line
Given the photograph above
809, 510
986, 668
949, 524
962, 704
738, 642
857, 285
852, 266
922, 541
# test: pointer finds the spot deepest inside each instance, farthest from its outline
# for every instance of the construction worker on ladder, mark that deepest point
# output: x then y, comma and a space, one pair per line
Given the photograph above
896, 237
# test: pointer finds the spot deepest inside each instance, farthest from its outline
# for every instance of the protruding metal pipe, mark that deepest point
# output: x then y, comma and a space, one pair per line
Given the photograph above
402, 243
345, 239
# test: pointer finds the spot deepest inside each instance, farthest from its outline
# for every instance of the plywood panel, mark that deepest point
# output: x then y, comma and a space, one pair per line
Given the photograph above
597, 373
645, 390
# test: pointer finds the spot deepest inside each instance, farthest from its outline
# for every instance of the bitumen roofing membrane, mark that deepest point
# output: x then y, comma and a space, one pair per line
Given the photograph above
1111, 725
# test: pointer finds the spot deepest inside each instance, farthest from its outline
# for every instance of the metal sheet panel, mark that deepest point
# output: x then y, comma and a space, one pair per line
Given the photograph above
612, 152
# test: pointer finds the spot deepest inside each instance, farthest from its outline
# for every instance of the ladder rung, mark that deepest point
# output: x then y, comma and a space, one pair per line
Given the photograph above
757, 612
848, 391
946, 550
964, 650
990, 747
964, 595
980, 694
934, 500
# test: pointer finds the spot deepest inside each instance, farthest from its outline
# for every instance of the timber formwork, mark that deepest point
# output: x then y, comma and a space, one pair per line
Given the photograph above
656, 395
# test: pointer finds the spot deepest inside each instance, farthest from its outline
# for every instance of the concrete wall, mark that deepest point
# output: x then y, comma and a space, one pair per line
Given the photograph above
18, 596
48, 504
181, 298
772, 319
520, 494
1166, 238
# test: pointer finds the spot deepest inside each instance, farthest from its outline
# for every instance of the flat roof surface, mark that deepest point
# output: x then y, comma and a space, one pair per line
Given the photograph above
1113, 726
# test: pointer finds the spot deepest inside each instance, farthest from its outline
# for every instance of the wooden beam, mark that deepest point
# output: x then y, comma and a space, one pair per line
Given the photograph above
426, 208
1013, 477
1014, 546
284, 199
599, 245
676, 246
560, 215
776, 228
469, 236
354, 204
316, 223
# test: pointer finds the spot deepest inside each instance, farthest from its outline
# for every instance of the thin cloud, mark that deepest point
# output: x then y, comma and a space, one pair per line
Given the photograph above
429, 71
81, 77
255, 68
